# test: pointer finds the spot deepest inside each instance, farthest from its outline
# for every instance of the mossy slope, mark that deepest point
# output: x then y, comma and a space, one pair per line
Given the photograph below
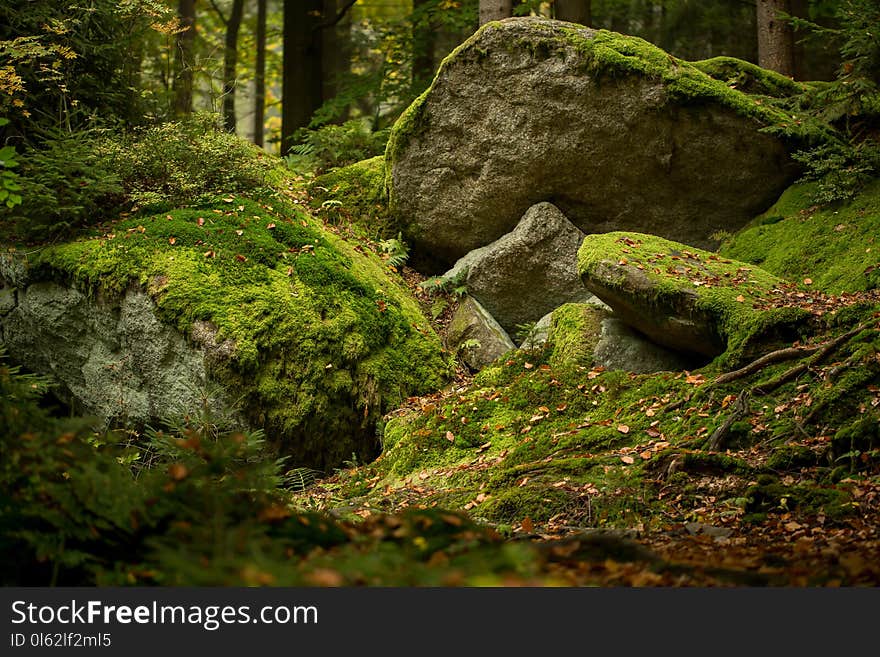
324, 340
836, 247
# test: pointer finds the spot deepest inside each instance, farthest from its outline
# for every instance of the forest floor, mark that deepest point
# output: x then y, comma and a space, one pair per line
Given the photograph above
738, 516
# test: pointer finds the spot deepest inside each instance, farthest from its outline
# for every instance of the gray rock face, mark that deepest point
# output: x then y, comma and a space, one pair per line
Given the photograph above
113, 359
622, 348
528, 272
523, 113
472, 322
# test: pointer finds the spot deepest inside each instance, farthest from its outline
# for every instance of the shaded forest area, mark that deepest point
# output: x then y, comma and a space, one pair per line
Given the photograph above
229, 354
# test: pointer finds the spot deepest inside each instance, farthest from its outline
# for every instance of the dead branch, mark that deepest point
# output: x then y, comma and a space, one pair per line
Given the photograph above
779, 356
717, 440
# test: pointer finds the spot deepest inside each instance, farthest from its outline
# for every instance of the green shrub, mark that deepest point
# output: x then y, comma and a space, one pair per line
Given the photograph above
332, 146
182, 163
65, 184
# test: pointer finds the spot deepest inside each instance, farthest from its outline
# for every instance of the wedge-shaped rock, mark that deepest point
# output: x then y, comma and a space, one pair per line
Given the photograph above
684, 298
528, 272
475, 335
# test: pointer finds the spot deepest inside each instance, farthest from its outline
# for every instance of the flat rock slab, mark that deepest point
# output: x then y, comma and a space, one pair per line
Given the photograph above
681, 297
614, 131
528, 272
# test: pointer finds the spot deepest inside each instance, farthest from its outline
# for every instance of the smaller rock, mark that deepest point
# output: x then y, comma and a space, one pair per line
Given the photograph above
623, 348
681, 297
476, 336
528, 272
537, 336
575, 330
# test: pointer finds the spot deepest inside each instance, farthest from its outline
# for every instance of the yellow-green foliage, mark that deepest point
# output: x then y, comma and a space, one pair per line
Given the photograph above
733, 293
325, 341
837, 247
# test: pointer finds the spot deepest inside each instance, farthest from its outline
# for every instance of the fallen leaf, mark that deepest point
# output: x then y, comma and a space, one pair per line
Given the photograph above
629, 460
200, 221
808, 281
172, 240
527, 525
270, 226
450, 436
740, 298
528, 366
622, 428
240, 257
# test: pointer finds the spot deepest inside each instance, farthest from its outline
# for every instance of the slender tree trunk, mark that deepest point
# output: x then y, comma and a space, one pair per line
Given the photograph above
575, 11
775, 37
230, 62
260, 75
184, 59
302, 79
495, 10
424, 36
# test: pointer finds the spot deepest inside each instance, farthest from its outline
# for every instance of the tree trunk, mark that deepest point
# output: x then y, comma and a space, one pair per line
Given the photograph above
184, 59
775, 37
335, 49
424, 36
230, 62
302, 80
260, 75
575, 11
495, 10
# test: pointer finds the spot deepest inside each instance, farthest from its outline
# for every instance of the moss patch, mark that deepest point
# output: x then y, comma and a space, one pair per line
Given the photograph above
324, 340
575, 330
354, 194
837, 248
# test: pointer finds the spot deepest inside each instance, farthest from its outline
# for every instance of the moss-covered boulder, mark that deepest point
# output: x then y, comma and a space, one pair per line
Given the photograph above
681, 297
588, 335
312, 338
617, 133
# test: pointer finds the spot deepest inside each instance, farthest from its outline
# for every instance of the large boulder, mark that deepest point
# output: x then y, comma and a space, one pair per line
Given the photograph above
681, 297
526, 273
300, 333
614, 131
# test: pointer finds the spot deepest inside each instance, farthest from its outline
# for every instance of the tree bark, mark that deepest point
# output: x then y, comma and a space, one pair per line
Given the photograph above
302, 79
260, 75
424, 36
335, 48
230, 62
775, 37
575, 11
495, 10
184, 59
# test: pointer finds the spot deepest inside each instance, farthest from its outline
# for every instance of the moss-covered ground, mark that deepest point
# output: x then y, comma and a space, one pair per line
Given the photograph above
836, 248
544, 448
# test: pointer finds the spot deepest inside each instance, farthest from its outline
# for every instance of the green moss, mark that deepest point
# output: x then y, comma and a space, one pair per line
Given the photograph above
324, 340
837, 247
574, 332
771, 496
355, 194
750, 78
731, 295
609, 54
